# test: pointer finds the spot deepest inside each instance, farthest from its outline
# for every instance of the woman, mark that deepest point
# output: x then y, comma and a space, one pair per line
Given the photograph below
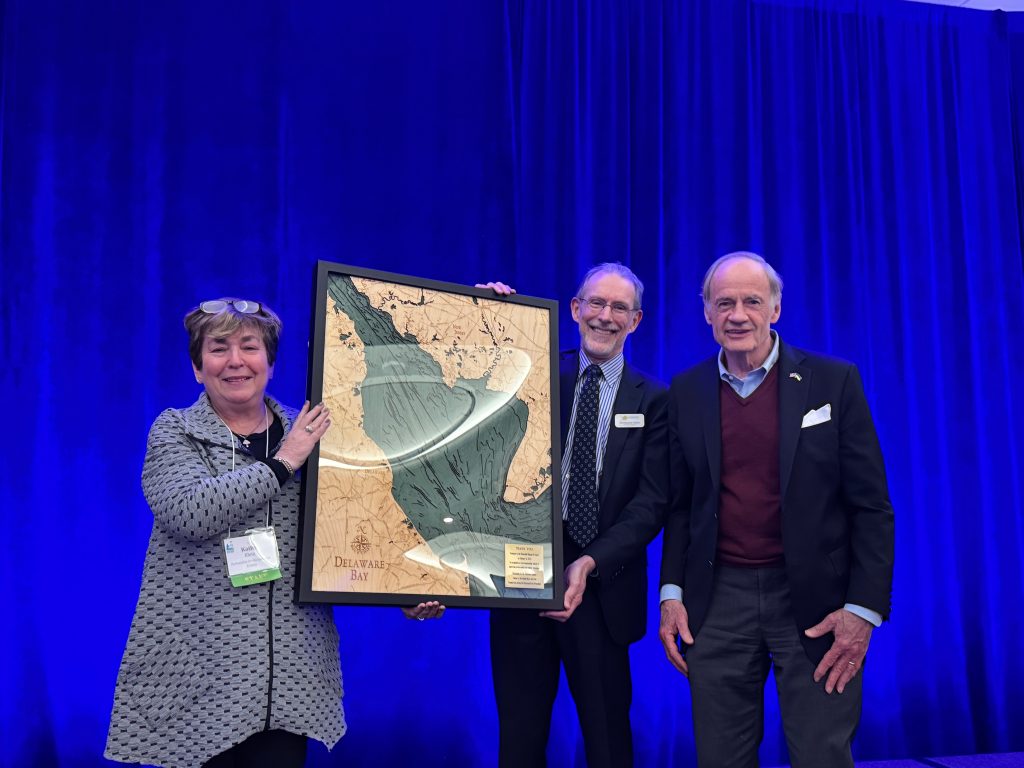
213, 673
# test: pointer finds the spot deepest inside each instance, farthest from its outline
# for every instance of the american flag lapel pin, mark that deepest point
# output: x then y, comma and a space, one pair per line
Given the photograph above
795, 376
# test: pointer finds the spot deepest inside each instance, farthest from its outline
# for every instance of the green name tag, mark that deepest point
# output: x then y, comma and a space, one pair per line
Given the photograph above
253, 557
256, 577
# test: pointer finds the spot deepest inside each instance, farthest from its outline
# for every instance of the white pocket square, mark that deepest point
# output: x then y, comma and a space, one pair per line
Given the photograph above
817, 416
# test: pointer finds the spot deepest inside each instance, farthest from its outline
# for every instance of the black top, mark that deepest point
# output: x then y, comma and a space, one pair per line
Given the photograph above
257, 448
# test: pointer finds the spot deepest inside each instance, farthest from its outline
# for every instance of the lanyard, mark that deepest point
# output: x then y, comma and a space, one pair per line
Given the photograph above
266, 427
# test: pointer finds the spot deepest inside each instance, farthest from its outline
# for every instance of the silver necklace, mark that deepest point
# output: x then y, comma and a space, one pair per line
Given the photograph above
246, 442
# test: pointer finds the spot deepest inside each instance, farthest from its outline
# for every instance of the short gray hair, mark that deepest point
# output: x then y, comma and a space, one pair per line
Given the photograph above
774, 278
613, 268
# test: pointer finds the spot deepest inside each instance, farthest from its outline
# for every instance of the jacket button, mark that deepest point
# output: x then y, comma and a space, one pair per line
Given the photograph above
709, 564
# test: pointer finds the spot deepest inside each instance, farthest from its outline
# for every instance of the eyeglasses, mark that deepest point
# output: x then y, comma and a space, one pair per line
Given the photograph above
240, 305
597, 306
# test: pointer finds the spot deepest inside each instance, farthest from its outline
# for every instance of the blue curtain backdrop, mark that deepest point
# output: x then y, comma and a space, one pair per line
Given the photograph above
157, 154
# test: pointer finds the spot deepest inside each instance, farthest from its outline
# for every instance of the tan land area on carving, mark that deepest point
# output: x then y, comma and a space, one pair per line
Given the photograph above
482, 337
361, 533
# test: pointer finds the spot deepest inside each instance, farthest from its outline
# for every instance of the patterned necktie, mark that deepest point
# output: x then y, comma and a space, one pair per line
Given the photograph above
581, 519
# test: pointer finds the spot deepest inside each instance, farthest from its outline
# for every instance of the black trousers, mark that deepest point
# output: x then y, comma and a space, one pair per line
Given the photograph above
266, 749
749, 629
527, 652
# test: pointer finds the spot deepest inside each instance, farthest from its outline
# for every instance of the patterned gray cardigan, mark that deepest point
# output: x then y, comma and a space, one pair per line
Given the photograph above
205, 660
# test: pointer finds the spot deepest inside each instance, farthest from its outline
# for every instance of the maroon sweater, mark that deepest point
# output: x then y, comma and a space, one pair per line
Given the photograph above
749, 508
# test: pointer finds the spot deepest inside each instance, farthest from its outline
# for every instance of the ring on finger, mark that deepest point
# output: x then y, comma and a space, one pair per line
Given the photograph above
308, 428
852, 664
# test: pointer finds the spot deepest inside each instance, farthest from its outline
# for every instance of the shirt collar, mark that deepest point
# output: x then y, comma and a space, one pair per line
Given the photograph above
760, 372
610, 369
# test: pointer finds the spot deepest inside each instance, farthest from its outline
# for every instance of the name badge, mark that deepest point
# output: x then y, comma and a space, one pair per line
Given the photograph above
253, 557
629, 420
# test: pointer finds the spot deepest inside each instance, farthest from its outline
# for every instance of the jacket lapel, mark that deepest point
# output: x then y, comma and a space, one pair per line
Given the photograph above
709, 393
627, 400
202, 422
794, 385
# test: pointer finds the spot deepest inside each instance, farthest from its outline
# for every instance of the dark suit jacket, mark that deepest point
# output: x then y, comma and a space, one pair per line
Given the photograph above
837, 521
632, 494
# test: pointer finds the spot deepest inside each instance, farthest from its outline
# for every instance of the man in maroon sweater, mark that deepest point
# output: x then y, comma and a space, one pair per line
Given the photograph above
778, 549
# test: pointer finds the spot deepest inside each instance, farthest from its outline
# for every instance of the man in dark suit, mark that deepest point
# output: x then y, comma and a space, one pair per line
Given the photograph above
614, 430
778, 549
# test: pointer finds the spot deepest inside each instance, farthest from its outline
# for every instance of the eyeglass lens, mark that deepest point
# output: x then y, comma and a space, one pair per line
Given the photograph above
217, 305
598, 305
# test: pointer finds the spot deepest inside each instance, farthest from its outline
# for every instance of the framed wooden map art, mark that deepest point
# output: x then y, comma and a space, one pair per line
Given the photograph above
438, 477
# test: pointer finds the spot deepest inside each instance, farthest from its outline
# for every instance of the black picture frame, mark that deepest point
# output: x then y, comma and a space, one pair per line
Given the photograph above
410, 496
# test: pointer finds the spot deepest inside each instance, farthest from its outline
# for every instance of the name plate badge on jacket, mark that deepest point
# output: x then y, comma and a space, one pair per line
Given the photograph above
629, 420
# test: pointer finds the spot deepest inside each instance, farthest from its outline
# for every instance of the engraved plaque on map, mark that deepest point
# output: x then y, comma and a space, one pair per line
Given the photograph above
443, 444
